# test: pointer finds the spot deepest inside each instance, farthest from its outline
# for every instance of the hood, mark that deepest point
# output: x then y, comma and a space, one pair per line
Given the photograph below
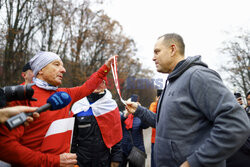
189, 62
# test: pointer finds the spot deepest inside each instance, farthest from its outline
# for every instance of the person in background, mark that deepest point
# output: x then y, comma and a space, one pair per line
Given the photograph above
238, 97
242, 157
7, 112
22, 146
135, 126
153, 108
198, 120
88, 137
27, 74
247, 108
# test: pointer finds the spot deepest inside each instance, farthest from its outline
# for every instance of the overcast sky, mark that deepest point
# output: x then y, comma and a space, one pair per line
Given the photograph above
201, 23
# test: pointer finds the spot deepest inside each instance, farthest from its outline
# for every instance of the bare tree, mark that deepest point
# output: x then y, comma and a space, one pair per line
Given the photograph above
19, 27
83, 38
238, 66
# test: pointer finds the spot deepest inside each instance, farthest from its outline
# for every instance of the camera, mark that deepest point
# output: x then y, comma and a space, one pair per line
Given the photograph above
237, 95
18, 92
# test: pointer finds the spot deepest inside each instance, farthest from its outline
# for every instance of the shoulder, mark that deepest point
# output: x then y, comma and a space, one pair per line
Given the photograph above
202, 82
197, 69
203, 75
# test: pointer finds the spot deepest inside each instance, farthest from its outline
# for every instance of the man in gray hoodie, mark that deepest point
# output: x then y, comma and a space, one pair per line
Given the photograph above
198, 121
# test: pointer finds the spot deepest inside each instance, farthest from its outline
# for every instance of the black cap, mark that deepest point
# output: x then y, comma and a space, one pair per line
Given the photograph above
26, 67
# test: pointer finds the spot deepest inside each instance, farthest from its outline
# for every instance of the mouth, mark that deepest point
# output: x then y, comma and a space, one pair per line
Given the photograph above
60, 77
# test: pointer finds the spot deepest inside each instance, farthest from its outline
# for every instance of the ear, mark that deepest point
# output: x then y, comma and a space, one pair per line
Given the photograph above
40, 72
23, 74
173, 49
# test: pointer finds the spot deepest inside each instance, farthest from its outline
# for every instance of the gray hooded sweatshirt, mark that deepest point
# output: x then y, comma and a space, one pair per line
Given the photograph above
198, 119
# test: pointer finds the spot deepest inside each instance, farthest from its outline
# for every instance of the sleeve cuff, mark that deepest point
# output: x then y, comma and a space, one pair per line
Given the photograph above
139, 111
193, 161
57, 161
103, 71
116, 159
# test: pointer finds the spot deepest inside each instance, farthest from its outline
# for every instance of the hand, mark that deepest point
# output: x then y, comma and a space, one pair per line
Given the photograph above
114, 164
131, 106
125, 113
185, 164
6, 113
68, 160
110, 61
240, 100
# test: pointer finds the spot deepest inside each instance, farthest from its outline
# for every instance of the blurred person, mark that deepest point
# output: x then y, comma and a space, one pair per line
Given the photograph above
153, 108
7, 112
238, 98
27, 74
247, 108
135, 126
21, 146
90, 142
198, 120
242, 157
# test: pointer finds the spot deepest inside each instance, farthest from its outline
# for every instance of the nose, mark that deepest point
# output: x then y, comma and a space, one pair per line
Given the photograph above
63, 70
154, 58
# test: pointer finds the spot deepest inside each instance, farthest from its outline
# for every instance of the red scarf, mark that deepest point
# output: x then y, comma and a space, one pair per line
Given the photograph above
129, 121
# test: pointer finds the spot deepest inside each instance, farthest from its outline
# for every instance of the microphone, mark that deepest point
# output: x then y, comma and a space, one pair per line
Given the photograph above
56, 101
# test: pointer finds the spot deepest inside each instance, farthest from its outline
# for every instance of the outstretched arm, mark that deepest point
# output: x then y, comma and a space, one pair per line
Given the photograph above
91, 84
146, 116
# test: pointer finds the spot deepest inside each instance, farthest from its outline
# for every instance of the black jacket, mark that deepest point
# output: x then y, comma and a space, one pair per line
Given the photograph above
88, 143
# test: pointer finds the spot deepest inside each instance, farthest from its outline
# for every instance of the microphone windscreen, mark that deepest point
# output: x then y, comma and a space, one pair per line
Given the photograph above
59, 100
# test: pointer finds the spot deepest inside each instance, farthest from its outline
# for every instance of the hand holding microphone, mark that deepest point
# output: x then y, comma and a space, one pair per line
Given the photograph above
56, 101
7, 112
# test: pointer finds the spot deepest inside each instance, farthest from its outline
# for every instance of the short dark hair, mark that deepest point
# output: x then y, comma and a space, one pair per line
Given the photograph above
26, 67
176, 39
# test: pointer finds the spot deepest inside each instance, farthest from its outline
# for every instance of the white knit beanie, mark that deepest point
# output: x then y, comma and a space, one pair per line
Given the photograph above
41, 59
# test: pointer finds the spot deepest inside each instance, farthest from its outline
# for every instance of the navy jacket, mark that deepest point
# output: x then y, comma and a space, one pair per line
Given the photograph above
137, 134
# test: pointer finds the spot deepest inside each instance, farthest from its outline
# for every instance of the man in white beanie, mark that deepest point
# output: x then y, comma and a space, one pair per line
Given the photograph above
22, 146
